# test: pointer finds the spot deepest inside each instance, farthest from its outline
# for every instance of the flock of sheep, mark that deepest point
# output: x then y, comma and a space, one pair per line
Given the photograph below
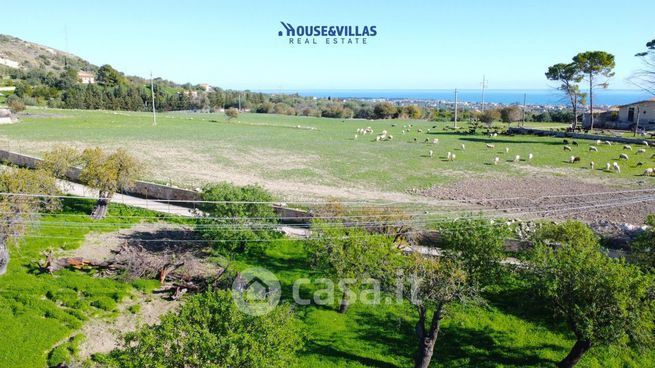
568, 147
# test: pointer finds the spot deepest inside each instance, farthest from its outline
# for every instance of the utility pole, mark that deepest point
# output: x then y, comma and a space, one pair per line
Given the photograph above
525, 97
484, 86
152, 92
455, 108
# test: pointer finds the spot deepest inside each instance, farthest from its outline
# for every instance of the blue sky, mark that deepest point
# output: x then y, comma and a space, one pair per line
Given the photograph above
420, 44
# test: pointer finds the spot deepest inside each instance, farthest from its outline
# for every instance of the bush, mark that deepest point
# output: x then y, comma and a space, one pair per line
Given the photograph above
15, 104
241, 218
210, 331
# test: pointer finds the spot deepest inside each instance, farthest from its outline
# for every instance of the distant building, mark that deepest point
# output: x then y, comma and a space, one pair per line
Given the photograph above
86, 77
624, 117
206, 87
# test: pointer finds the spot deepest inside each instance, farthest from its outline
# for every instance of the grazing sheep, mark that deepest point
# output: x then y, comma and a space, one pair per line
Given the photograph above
390, 137
616, 166
414, 139
598, 142
567, 148
377, 139
652, 156
506, 149
593, 148
420, 130
403, 131
496, 160
517, 158
641, 150
607, 166
648, 172
608, 143
495, 134
565, 141
430, 153
591, 165
384, 132
427, 131
452, 157
574, 159
623, 156
575, 143
427, 140
627, 147
463, 147
449, 156
435, 141
644, 143
530, 156
355, 136
639, 163
491, 146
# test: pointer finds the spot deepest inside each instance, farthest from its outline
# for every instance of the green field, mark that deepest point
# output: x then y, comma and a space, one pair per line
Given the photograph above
39, 310
310, 157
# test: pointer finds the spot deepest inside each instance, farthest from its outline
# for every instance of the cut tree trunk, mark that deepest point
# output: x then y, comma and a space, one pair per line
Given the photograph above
343, 308
576, 353
427, 339
4, 258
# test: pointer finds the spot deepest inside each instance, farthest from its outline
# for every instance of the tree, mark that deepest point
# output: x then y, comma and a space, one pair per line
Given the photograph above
15, 104
354, 254
237, 219
434, 285
210, 331
510, 114
384, 110
16, 211
59, 160
231, 113
645, 78
603, 301
569, 76
644, 246
488, 117
108, 173
594, 65
480, 247
110, 77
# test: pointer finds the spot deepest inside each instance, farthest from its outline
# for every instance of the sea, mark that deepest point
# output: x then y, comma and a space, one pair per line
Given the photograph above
607, 97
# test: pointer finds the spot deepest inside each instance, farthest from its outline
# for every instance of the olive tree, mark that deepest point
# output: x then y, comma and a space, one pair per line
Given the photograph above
25, 193
231, 113
351, 255
434, 285
59, 160
603, 301
108, 173
210, 331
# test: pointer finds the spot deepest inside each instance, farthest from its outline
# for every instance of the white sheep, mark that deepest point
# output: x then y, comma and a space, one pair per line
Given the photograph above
463, 147
506, 149
430, 153
627, 147
453, 157
390, 137
530, 156
495, 135
598, 142
420, 130
355, 136
645, 143
616, 166
571, 159
491, 145
593, 148
517, 158
623, 156
592, 165
568, 148
648, 172
608, 143
641, 150
377, 139
435, 141
607, 166
496, 160
449, 156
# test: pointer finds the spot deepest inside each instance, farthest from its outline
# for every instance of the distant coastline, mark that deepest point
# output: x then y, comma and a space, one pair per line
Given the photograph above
545, 97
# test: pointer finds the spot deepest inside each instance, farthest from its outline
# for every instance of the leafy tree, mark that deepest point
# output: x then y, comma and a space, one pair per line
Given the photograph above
15, 104
480, 247
488, 117
385, 110
603, 301
210, 331
231, 113
645, 78
569, 76
108, 173
353, 253
644, 246
594, 65
59, 160
16, 211
412, 112
237, 219
510, 114
110, 77
435, 284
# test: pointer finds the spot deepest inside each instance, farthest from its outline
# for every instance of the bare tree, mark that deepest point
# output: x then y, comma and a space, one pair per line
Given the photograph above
645, 77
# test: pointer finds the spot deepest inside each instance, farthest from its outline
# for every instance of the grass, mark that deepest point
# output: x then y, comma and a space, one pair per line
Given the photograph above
39, 310
190, 149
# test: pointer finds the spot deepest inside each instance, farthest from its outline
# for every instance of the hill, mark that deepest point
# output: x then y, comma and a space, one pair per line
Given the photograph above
17, 53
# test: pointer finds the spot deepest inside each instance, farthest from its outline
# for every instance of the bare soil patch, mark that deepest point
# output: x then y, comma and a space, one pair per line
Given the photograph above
553, 197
